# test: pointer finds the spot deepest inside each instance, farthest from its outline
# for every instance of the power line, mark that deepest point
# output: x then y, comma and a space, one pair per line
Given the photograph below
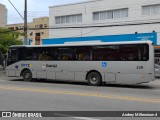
100, 26
128, 24
16, 9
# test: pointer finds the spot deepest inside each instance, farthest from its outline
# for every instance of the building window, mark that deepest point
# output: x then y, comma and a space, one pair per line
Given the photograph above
117, 14
103, 15
40, 25
68, 19
151, 9
36, 26
11, 28
31, 33
38, 34
58, 20
111, 14
79, 18
45, 25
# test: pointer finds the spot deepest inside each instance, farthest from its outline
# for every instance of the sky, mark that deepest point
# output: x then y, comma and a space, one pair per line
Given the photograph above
36, 8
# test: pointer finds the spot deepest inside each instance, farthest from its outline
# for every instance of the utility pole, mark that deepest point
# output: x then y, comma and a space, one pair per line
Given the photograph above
25, 23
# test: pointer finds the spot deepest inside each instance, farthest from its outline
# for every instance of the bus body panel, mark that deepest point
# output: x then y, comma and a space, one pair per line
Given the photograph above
114, 72
51, 75
11, 73
110, 78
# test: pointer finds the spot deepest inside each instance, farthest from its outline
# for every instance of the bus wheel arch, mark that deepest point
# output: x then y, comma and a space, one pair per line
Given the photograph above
26, 74
94, 78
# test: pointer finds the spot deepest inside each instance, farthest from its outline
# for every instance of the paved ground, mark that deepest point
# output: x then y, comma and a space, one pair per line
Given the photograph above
17, 95
1, 67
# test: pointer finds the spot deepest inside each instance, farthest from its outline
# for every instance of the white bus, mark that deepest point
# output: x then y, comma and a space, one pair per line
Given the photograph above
95, 63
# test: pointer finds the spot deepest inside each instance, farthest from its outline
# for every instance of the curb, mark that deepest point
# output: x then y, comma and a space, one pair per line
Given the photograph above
2, 71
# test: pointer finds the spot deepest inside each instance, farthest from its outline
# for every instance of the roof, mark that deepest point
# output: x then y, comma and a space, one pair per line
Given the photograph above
88, 43
87, 1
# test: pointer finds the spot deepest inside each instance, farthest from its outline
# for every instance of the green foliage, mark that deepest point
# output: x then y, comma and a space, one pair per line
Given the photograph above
8, 38
2, 49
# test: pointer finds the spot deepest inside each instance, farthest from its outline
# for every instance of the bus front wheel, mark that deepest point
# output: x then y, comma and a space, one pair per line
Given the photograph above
94, 79
27, 75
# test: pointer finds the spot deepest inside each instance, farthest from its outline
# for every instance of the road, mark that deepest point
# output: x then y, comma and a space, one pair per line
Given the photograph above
17, 95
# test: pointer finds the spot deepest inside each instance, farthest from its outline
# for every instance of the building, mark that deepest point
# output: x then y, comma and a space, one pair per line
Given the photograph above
37, 30
3, 15
104, 18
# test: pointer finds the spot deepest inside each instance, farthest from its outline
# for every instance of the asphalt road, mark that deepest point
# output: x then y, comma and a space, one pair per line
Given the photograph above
17, 95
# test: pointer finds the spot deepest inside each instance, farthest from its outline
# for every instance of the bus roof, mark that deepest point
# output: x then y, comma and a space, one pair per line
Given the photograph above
85, 44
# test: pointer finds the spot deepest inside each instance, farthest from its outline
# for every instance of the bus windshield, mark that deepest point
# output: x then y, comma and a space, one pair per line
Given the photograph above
12, 56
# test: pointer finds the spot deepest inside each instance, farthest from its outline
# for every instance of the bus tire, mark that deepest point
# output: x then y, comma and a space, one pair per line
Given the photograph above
94, 79
27, 75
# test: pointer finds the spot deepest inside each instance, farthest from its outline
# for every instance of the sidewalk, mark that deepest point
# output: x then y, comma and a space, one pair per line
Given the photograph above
156, 82
1, 68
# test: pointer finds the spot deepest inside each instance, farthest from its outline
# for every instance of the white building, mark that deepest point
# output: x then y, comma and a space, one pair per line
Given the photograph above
3, 15
104, 17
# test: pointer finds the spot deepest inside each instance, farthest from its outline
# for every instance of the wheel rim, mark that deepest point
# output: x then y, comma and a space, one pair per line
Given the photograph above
27, 75
93, 79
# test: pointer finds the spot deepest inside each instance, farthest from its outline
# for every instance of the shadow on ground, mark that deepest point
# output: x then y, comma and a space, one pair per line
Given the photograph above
137, 86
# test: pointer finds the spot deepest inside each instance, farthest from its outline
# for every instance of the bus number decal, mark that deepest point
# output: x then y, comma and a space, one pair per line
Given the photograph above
139, 67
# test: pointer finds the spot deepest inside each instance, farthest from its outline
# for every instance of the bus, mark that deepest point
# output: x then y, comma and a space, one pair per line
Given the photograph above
94, 63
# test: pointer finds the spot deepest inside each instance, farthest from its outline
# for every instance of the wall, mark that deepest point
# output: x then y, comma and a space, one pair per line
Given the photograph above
135, 22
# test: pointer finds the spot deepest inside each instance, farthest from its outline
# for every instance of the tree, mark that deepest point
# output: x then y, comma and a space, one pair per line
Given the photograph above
8, 38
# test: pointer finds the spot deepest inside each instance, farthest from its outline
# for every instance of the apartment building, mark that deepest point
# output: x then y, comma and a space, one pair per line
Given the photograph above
105, 17
37, 30
3, 15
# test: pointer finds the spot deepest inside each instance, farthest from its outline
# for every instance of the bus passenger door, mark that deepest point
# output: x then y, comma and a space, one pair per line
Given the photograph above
12, 59
41, 72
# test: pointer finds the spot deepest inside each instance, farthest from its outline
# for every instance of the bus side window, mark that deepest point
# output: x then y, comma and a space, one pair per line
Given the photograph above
83, 53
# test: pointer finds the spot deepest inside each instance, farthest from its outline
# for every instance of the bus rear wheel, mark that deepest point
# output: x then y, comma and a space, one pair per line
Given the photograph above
27, 75
94, 79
